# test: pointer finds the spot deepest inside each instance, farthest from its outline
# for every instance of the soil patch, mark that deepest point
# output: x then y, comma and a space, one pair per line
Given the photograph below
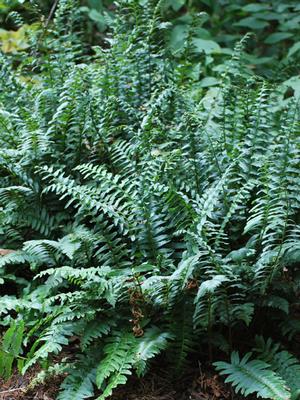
155, 386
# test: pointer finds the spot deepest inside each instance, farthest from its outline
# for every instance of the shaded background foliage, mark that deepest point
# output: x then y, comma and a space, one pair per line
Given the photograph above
205, 29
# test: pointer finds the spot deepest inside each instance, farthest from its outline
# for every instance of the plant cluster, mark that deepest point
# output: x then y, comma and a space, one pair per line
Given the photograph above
206, 30
144, 218
214, 26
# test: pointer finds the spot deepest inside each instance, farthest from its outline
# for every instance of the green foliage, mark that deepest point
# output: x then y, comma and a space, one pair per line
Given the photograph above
99, 13
146, 214
77, 385
253, 376
209, 29
11, 348
282, 362
200, 34
275, 374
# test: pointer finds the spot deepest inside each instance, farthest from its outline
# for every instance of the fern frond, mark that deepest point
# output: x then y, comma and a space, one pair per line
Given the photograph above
117, 363
78, 385
282, 362
253, 376
148, 346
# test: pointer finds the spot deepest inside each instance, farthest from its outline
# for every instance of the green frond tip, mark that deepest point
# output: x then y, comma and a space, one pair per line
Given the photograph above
117, 363
123, 352
151, 344
254, 376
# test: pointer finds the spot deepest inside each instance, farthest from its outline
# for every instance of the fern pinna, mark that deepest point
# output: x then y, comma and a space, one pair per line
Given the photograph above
144, 221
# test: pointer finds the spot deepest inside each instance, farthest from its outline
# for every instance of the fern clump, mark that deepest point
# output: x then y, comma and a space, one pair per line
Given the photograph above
145, 215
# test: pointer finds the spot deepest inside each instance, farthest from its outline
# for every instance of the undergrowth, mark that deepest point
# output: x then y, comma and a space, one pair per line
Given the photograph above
142, 217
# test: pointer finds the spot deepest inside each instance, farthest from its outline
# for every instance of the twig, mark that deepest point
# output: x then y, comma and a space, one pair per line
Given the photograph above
51, 13
11, 390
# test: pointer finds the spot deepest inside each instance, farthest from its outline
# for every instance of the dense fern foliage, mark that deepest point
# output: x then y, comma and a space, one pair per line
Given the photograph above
143, 216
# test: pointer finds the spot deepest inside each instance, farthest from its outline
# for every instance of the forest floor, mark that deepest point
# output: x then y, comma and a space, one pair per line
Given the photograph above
197, 385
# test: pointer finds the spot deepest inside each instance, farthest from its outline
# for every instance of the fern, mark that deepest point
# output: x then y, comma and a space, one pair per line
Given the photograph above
253, 376
76, 385
282, 362
117, 364
150, 345
142, 213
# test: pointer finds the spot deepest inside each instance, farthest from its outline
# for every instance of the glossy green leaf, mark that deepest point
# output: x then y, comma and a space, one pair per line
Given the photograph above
174, 4
256, 7
178, 37
252, 23
209, 81
278, 37
294, 49
206, 46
